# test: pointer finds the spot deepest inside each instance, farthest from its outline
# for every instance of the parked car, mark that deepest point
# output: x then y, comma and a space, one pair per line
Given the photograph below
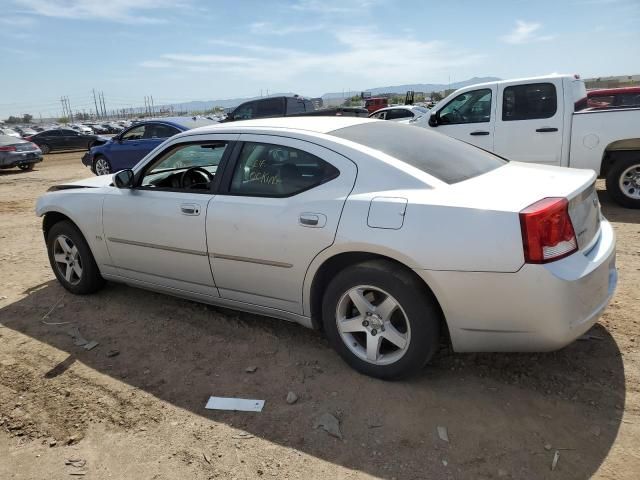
65, 139
614, 97
9, 132
16, 152
272, 107
375, 103
26, 131
412, 114
97, 128
541, 120
112, 127
81, 128
386, 236
131, 145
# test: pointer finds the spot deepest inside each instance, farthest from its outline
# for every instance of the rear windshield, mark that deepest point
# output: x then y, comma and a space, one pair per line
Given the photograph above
446, 159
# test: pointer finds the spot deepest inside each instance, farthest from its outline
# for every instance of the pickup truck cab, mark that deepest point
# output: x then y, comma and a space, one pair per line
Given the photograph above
295, 106
545, 120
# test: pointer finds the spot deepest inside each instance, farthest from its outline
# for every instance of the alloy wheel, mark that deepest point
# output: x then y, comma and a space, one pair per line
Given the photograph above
373, 325
630, 182
67, 259
102, 166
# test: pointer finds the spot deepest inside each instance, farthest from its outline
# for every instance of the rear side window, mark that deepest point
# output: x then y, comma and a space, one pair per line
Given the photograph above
270, 107
160, 131
445, 158
269, 170
528, 102
399, 113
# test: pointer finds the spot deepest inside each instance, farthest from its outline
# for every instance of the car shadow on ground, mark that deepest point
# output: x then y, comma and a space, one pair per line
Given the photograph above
614, 212
498, 409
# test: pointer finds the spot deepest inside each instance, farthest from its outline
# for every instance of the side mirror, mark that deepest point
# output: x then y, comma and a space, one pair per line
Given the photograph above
433, 120
123, 178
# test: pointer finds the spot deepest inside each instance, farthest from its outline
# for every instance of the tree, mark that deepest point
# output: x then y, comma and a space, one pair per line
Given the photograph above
26, 118
435, 97
13, 119
63, 120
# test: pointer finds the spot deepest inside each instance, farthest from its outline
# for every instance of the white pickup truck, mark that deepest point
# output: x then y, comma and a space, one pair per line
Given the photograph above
545, 120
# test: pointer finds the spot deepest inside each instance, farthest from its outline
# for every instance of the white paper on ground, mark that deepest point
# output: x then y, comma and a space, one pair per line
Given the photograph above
237, 404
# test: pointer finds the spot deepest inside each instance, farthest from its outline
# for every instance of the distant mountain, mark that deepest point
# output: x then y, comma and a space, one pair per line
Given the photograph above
198, 105
417, 87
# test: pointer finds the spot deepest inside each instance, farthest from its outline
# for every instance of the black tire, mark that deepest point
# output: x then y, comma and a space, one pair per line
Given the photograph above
90, 280
614, 175
26, 167
104, 161
421, 310
45, 148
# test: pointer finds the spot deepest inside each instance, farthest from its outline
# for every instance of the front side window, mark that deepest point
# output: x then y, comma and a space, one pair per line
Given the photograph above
160, 131
468, 107
528, 102
270, 170
135, 133
69, 133
189, 166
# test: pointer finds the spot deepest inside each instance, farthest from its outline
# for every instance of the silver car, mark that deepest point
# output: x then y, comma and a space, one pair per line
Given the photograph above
15, 152
387, 237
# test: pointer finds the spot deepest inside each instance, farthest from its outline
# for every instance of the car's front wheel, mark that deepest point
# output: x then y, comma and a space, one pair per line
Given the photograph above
26, 166
44, 148
623, 182
71, 259
380, 319
101, 166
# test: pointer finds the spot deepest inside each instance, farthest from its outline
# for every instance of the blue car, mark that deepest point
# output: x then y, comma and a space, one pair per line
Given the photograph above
131, 145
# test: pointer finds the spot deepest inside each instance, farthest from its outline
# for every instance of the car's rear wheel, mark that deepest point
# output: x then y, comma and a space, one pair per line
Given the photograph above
101, 166
26, 166
71, 259
45, 148
380, 319
623, 182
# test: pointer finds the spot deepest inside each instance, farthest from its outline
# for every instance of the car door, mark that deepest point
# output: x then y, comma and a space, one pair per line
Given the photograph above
130, 147
51, 138
279, 208
155, 232
530, 125
68, 139
469, 117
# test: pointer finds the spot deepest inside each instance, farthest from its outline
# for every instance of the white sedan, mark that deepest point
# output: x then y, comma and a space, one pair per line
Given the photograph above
386, 237
411, 114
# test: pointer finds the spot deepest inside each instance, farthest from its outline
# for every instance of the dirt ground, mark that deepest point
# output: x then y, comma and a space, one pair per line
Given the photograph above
139, 414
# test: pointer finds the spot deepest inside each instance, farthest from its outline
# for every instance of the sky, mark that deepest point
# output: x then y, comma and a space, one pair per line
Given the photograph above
185, 50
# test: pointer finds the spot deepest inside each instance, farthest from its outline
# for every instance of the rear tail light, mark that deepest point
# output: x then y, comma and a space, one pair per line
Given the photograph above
29, 138
547, 231
33, 145
9, 148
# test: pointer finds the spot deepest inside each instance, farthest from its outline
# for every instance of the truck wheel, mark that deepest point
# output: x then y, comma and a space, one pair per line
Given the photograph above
623, 182
380, 320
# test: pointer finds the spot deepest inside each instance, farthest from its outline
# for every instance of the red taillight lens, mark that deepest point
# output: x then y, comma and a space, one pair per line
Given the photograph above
9, 148
547, 231
29, 138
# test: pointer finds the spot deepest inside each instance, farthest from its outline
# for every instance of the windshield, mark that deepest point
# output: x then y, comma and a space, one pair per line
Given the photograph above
445, 158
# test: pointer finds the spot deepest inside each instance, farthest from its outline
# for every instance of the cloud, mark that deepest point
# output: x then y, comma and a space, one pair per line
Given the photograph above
267, 28
526, 32
17, 21
123, 11
334, 6
360, 53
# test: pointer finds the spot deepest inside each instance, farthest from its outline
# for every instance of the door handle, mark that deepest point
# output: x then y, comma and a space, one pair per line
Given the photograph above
479, 132
190, 209
546, 129
313, 220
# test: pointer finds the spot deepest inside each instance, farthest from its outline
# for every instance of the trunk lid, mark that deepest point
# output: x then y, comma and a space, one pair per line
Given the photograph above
516, 185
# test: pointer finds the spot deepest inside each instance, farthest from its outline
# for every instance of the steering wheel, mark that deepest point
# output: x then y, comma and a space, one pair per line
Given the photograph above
189, 180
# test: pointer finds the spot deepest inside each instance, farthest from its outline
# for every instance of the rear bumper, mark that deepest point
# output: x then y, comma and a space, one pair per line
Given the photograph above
538, 308
13, 159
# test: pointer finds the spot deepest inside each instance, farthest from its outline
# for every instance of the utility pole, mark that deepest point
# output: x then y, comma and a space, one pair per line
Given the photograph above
153, 106
103, 105
95, 102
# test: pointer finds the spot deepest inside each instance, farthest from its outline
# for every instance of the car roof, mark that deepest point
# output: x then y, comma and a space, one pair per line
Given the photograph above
180, 122
316, 124
9, 140
405, 107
